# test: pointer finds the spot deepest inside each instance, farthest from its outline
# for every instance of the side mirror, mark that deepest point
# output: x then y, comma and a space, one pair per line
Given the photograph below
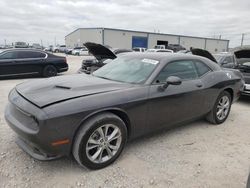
171, 80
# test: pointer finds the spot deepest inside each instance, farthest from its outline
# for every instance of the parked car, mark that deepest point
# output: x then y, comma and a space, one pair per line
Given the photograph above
21, 45
55, 49
102, 55
243, 64
160, 46
93, 116
62, 48
160, 50
49, 48
175, 47
120, 50
37, 46
69, 51
25, 62
77, 50
138, 49
226, 60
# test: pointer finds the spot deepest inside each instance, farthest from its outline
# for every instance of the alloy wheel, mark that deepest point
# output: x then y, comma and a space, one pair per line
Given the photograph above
103, 143
223, 107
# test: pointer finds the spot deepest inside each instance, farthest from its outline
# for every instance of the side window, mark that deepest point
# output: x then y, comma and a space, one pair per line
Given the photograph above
30, 54
201, 68
184, 69
9, 55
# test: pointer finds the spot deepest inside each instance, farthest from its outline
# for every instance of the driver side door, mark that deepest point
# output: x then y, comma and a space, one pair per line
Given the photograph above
177, 103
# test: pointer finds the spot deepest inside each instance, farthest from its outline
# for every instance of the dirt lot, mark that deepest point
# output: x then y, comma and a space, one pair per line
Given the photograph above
195, 155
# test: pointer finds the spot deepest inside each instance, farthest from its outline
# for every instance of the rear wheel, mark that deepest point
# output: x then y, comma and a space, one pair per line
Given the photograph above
100, 141
221, 109
49, 71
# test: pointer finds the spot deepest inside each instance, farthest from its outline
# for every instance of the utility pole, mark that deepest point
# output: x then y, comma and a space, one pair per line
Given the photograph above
242, 39
5, 43
55, 41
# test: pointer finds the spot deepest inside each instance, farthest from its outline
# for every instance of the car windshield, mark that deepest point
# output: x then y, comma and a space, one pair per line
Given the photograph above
219, 58
129, 70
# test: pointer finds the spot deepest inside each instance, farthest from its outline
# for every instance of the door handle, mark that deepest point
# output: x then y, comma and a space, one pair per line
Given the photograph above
199, 85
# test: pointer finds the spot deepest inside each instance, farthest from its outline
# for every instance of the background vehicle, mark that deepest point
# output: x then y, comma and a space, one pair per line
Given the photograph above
243, 65
55, 49
175, 47
160, 50
37, 46
139, 49
62, 48
226, 60
160, 46
120, 50
102, 55
93, 116
49, 48
76, 50
68, 51
21, 45
25, 62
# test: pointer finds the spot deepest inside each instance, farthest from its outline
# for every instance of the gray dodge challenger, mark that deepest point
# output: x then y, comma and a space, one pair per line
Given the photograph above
93, 116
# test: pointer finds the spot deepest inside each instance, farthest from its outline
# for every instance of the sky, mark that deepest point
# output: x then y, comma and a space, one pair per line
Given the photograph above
49, 21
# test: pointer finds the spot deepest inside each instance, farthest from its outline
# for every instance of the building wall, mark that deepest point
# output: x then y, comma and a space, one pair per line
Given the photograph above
188, 42
80, 36
215, 46
123, 39
120, 39
152, 39
73, 39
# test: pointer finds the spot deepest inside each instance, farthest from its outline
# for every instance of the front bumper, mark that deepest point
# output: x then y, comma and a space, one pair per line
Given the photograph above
35, 136
246, 91
34, 151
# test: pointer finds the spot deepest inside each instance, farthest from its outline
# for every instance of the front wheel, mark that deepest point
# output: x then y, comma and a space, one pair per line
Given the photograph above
221, 109
100, 141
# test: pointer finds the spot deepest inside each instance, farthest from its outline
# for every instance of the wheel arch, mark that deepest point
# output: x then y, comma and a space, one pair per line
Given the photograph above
116, 111
231, 92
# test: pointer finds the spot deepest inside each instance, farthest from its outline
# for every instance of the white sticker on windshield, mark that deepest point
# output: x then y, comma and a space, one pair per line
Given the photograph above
151, 61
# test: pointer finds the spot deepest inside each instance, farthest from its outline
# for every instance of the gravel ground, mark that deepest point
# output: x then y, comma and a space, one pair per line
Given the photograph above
195, 155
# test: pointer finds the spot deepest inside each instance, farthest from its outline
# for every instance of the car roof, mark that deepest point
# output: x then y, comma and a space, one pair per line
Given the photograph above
164, 57
23, 49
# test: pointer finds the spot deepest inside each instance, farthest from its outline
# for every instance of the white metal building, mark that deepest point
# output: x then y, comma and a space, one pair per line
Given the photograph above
118, 38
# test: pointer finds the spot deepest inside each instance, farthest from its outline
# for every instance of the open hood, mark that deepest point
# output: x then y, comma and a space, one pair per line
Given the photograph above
244, 53
203, 53
99, 51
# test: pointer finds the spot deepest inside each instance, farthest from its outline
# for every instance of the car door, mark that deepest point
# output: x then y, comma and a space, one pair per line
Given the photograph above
7, 63
30, 62
177, 103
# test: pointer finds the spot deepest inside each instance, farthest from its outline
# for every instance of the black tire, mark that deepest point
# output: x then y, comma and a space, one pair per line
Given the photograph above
87, 130
56, 51
212, 115
49, 71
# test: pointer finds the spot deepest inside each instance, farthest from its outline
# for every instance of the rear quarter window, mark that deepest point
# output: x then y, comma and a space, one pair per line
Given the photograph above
202, 68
